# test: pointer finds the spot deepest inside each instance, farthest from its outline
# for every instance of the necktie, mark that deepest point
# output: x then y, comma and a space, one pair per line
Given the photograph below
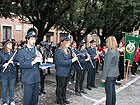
32, 50
9, 52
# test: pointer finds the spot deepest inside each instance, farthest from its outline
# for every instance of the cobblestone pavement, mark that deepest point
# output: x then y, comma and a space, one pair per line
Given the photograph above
128, 94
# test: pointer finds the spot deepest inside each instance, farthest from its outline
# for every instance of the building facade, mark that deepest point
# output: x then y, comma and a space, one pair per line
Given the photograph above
14, 29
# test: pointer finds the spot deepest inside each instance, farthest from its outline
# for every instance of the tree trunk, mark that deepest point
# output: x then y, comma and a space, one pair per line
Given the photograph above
102, 40
40, 27
40, 35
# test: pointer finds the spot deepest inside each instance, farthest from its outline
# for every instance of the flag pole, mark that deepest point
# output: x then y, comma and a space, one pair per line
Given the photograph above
133, 33
127, 71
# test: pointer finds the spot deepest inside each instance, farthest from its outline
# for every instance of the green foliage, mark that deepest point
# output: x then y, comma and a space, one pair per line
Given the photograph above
111, 16
118, 16
37, 12
80, 20
78, 17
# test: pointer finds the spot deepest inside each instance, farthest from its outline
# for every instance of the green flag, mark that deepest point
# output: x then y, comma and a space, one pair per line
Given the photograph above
131, 44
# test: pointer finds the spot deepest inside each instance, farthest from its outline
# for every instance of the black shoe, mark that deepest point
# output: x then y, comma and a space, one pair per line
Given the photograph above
89, 88
49, 73
97, 72
43, 92
94, 86
39, 93
61, 103
66, 101
118, 83
83, 91
78, 94
133, 73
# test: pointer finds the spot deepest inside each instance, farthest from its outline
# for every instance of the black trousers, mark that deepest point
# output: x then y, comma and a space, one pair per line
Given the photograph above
80, 75
134, 67
121, 68
97, 64
91, 76
42, 75
72, 78
61, 86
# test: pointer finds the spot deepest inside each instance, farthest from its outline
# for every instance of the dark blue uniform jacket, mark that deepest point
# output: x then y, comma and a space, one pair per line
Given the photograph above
92, 52
62, 63
30, 73
82, 56
10, 72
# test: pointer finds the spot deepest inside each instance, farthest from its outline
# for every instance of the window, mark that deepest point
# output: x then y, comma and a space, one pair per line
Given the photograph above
7, 31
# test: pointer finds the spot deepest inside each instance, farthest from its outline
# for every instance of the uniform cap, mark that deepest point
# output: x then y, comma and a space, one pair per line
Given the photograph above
64, 39
6, 41
82, 42
94, 40
32, 33
43, 43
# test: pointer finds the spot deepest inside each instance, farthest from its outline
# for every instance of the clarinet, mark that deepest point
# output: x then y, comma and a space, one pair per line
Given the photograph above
77, 60
10, 60
38, 53
90, 59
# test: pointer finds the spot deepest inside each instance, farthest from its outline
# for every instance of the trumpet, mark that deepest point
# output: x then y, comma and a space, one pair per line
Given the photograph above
90, 59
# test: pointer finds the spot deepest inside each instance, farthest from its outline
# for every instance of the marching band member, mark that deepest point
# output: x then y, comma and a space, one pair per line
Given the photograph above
92, 70
98, 60
63, 63
9, 75
29, 59
72, 49
111, 70
23, 44
15, 47
81, 71
42, 50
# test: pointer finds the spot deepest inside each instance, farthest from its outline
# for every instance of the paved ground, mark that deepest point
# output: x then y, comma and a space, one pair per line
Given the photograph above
128, 94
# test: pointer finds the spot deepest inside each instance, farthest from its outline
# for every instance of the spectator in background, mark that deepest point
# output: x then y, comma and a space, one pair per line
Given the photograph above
53, 48
98, 60
13, 41
135, 63
49, 53
48, 48
121, 63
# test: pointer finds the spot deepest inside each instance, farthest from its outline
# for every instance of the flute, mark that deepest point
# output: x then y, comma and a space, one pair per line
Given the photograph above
90, 59
10, 60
